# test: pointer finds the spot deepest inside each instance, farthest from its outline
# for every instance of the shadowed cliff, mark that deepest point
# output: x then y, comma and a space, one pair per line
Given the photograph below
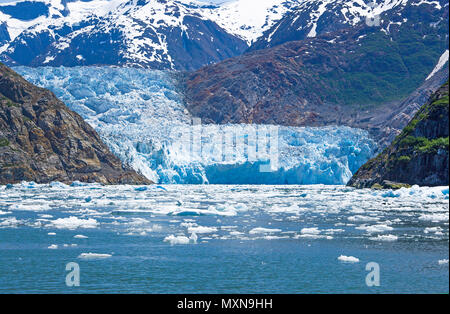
42, 140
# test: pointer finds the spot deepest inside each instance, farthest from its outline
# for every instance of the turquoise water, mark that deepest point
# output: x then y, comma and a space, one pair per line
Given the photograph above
222, 239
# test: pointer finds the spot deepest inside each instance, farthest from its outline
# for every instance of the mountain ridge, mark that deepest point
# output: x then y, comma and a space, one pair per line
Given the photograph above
157, 34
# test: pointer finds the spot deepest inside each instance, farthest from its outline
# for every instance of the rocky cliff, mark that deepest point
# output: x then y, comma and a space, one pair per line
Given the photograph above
42, 140
419, 155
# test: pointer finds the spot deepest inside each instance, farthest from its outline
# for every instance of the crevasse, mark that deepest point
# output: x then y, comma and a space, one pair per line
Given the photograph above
141, 117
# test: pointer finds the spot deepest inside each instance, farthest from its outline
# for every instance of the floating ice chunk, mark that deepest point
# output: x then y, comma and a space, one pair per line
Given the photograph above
91, 256
201, 229
385, 238
435, 217
333, 231
80, 236
173, 240
28, 185
263, 230
4, 213
30, 207
188, 224
313, 231
433, 230
53, 247
73, 223
390, 193
360, 218
272, 237
348, 259
193, 238
57, 184
51, 233
312, 236
443, 262
380, 228
10, 222
211, 210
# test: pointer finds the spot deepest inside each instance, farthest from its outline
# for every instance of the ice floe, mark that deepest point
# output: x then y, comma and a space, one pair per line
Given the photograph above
348, 259
173, 239
80, 236
221, 212
385, 238
263, 230
73, 223
201, 229
92, 256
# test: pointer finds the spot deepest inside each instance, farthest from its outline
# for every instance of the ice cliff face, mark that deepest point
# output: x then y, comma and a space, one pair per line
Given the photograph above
142, 118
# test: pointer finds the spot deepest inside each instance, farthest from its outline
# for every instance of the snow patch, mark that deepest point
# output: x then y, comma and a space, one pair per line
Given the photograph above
442, 61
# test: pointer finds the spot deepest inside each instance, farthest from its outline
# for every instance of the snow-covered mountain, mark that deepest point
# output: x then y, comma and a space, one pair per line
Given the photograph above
161, 34
248, 19
180, 34
312, 18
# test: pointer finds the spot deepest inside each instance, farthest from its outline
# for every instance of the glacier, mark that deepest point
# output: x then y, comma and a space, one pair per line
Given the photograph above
141, 116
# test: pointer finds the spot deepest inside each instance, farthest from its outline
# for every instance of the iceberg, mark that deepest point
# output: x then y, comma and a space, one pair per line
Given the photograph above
141, 116
91, 256
348, 259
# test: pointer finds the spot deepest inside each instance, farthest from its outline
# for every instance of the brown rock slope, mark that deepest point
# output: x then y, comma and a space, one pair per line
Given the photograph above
419, 155
42, 140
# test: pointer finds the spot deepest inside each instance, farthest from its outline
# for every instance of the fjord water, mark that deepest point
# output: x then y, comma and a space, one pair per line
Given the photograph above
222, 239
214, 238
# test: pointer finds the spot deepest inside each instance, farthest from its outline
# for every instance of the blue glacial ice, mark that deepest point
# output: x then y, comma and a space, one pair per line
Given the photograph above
141, 117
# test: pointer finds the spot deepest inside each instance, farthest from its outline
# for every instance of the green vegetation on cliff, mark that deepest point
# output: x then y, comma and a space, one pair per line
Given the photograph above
419, 155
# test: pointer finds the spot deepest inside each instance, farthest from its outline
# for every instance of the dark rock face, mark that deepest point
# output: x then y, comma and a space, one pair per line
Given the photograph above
4, 35
419, 155
42, 140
